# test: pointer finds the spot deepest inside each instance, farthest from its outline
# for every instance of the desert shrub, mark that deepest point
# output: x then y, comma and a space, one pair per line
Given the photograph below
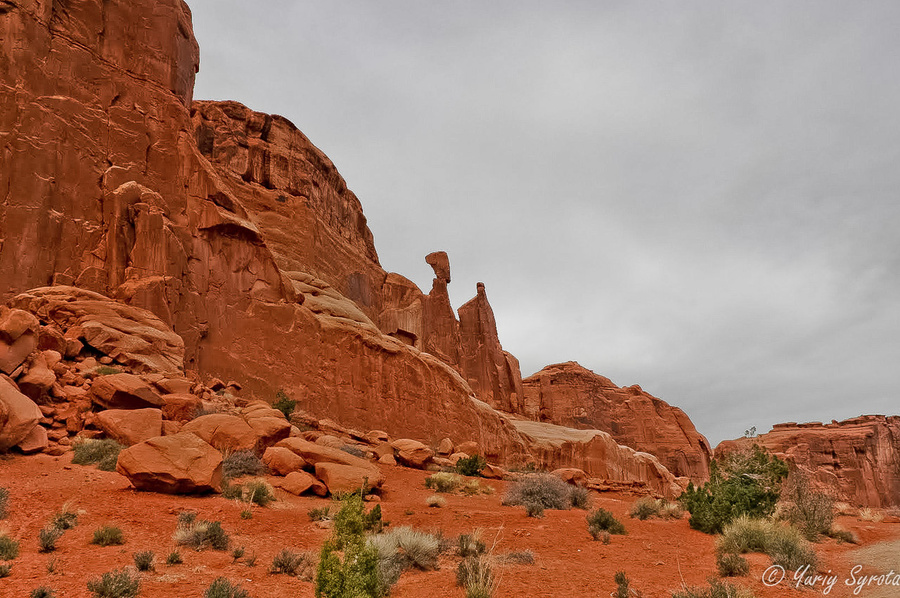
241, 463
174, 558
622, 585
471, 466
474, 487
42, 592
4, 502
104, 453
246, 514
65, 518
222, 588
534, 509
199, 534
232, 491
784, 544
353, 571
470, 544
144, 560
644, 508
106, 370
436, 501
284, 403
47, 538
603, 537
547, 490
730, 564
580, 498
259, 492
476, 575
9, 548
354, 450
520, 557
5, 570
288, 562
421, 548
842, 535
320, 514
744, 482
51, 565
108, 535
810, 511
115, 584
716, 589
443, 482
602, 520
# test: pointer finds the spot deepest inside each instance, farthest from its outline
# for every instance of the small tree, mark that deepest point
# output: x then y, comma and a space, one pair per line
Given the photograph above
348, 566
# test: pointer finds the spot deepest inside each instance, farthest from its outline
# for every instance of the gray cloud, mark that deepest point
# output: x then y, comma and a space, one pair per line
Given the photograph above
698, 198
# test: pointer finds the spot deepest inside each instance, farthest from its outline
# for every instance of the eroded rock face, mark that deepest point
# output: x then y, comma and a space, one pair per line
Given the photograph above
856, 460
570, 395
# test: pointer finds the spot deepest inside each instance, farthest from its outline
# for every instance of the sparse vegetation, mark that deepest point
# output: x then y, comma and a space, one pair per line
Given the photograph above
5, 570
601, 521
534, 509
580, 498
843, 535
106, 370
730, 564
744, 482
246, 514
354, 450
4, 502
51, 565
285, 404
476, 575
520, 557
42, 592
443, 481
222, 588
9, 548
471, 466
256, 491
470, 544
241, 463
47, 538
540, 490
108, 535
436, 501
716, 589
144, 560
288, 562
354, 571
784, 544
647, 507
174, 558
319, 514
868, 514
115, 584
622, 585
104, 453
65, 518
200, 534
810, 511
474, 487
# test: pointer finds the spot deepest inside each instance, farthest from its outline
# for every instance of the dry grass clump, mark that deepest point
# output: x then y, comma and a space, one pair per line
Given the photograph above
647, 507
298, 564
474, 487
4, 502
66, 517
9, 548
867, 514
144, 560
222, 588
810, 511
730, 564
115, 584
544, 491
716, 589
443, 481
436, 501
199, 533
401, 549
241, 463
601, 521
108, 535
784, 544
476, 575
47, 538
105, 453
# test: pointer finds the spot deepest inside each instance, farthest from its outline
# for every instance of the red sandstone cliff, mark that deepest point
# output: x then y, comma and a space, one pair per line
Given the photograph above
570, 395
856, 460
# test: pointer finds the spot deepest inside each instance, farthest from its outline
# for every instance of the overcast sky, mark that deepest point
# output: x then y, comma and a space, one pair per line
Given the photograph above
702, 198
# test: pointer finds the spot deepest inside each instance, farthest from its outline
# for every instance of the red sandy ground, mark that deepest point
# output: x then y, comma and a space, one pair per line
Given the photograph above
656, 555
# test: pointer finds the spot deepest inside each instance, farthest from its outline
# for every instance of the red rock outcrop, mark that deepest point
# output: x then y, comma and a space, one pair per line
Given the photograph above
570, 395
179, 464
856, 460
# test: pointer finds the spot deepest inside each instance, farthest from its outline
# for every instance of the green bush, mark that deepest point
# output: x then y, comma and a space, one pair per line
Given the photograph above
471, 466
810, 511
284, 403
144, 560
744, 482
9, 548
174, 558
222, 588
200, 534
47, 538
115, 584
602, 520
4, 502
731, 565
545, 489
241, 463
108, 535
355, 571
105, 453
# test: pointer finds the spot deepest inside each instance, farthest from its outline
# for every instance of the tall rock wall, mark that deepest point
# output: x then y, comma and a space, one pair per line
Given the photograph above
855, 460
570, 395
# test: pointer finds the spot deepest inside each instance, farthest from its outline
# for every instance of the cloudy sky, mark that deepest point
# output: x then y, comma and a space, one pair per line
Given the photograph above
700, 198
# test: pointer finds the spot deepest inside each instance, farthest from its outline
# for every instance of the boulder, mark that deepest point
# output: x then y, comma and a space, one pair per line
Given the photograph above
297, 482
492, 472
18, 415
39, 378
225, 432
179, 464
269, 430
314, 453
181, 407
387, 459
376, 437
571, 475
445, 447
124, 391
35, 442
18, 338
282, 461
341, 479
131, 426
469, 447
412, 453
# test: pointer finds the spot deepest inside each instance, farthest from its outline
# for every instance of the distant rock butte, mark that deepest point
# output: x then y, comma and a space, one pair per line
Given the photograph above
570, 395
232, 229
855, 460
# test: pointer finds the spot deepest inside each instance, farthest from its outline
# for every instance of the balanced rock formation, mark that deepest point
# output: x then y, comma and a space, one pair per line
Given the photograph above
855, 460
570, 395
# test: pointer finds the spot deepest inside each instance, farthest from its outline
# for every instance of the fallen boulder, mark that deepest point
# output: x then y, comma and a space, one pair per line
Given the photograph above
124, 391
179, 464
131, 426
225, 432
18, 415
342, 479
